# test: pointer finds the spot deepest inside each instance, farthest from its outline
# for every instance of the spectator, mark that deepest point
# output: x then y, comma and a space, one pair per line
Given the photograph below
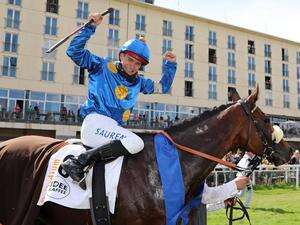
17, 111
169, 121
30, 112
63, 113
36, 112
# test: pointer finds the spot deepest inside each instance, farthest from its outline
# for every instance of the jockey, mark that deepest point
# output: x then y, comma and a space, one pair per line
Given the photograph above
112, 93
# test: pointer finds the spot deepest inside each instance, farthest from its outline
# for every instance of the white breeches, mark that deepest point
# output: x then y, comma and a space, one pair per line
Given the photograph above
98, 130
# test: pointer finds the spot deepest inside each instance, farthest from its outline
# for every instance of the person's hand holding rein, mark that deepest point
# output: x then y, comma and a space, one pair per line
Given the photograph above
241, 182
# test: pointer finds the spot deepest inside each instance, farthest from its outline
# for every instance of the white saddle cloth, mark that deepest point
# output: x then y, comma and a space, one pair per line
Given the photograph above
66, 192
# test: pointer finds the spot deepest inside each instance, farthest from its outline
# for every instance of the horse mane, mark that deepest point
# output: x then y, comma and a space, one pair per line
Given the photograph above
197, 119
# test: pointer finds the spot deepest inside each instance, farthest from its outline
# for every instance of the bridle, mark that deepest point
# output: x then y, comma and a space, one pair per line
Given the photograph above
268, 144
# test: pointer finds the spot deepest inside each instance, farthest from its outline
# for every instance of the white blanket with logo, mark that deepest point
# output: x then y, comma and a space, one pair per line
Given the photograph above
66, 192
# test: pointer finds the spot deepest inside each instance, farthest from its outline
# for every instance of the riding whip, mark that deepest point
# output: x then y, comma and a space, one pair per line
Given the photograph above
51, 49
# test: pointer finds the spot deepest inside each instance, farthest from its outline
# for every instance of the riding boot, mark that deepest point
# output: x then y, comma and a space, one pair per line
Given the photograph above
75, 167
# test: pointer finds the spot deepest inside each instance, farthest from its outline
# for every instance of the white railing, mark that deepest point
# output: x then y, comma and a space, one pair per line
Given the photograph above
264, 175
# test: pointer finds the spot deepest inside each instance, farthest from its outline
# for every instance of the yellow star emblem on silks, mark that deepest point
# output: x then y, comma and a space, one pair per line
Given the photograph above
121, 92
112, 67
126, 115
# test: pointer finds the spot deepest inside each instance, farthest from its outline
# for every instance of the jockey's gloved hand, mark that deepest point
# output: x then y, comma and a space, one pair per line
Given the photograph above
96, 18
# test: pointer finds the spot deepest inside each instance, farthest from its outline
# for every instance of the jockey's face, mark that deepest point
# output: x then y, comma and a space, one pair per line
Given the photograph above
130, 64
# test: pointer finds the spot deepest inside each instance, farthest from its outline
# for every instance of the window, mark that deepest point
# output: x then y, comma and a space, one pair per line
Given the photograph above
268, 68
189, 33
167, 46
212, 91
47, 72
231, 59
268, 83
189, 51
11, 42
231, 42
114, 17
298, 57
268, 98
231, 76
298, 87
284, 55
298, 72
167, 28
212, 38
268, 52
285, 70
212, 73
251, 47
9, 67
14, 2
79, 75
189, 71
113, 37
251, 80
82, 10
140, 23
13, 18
251, 63
286, 101
188, 88
212, 55
51, 26
285, 85
113, 54
52, 6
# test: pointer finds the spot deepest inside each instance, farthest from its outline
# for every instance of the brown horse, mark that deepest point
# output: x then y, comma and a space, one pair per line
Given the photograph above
140, 200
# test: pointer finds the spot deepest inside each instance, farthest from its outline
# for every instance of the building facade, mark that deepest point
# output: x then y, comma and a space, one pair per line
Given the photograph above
213, 57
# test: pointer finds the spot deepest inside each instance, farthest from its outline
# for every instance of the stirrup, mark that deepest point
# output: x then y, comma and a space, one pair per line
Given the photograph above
82, 182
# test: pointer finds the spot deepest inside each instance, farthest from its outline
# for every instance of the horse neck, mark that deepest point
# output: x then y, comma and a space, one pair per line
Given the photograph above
215, 136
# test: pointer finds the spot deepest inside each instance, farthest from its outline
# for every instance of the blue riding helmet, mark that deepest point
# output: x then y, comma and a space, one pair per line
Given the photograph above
138, 47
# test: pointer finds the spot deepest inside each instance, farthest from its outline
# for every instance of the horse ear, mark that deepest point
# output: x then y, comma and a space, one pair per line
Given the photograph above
233, 95
253, 97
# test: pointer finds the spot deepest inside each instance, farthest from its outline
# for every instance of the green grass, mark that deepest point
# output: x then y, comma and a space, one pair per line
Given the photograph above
276, 205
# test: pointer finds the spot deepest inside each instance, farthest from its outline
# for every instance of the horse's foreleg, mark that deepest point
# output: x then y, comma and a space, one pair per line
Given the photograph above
55, 215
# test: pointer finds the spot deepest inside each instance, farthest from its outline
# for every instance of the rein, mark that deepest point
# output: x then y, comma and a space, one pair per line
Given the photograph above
202, 154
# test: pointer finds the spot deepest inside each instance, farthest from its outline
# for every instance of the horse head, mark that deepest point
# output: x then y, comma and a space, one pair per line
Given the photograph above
260, 136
